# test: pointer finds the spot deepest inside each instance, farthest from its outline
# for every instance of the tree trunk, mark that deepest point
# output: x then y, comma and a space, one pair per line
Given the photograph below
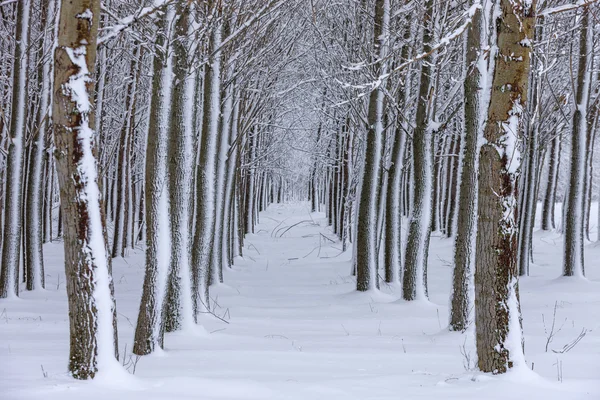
34, 254
149, 331
575, 213
461, 300
498, 333
206, 173
414, 285
92, 310
178, 307
366, 231
13, 205
552, 182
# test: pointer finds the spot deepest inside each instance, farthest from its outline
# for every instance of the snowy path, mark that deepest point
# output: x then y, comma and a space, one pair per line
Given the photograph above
298, 330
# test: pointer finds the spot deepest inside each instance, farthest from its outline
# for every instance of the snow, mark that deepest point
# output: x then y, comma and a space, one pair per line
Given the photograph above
95, 247
13, 226
299, 330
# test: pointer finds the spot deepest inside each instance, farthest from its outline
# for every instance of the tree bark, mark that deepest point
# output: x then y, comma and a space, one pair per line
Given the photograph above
575, 213
13, 204
92, 310
498, 333
178, 309
414, 284
149, 332
461, 300
366, 231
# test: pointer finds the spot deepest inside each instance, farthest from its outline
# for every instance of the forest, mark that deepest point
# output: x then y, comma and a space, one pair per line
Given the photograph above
299, 199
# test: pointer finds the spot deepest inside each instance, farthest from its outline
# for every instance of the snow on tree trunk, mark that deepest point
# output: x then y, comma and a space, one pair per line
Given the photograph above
92, 310
366, 230
230, 192
206, 175
575, 213
35, 189
221, 214
178, 308
499, 338
150, 324
414, 284
477, 88
393, 219
551, 184
13, 205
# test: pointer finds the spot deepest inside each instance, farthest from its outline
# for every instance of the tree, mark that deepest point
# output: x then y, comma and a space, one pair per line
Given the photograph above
414, 285
497, 310
206, 170
178, 300
366, 231
475, 85
13, 206
92, 309
149, 331
575, 213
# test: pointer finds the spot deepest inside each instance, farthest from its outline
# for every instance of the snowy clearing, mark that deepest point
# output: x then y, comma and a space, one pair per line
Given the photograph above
297, 329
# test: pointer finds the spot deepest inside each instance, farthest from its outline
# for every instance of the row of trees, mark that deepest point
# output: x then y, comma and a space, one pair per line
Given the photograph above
458, 124
160, 122
173, 123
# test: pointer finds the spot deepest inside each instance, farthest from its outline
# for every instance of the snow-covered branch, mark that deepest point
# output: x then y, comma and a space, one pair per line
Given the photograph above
566, 7
124, 23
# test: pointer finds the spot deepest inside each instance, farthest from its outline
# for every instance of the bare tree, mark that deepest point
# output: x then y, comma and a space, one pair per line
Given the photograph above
497, 311
92, 310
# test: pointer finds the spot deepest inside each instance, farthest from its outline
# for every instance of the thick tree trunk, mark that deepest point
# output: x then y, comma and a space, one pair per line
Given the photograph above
178, 307
497, 311
13, 205
461, 300
575, 212
35, 189
149, 331
206, 176
92, 310
366, 231
414, 280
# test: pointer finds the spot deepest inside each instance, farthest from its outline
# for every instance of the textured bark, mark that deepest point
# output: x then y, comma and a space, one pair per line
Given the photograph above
230, 201
13, 205
414, 280
149, 331
497, 312
206, 175
366, 230
178, 167
461, 301
34, 259
575, 214
87, 265
393, 217
129, 203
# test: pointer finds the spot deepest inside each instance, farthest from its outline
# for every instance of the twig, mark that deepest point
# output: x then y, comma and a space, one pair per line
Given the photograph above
572, 344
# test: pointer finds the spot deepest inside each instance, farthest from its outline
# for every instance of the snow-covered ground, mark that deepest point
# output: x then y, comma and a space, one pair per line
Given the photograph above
297, 330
